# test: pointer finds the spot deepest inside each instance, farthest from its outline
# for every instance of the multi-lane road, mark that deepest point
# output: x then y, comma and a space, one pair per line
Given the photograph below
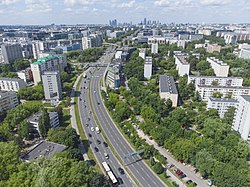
143, 175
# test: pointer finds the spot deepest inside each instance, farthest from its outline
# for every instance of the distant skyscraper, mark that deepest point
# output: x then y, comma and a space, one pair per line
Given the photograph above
11, 52
145, 21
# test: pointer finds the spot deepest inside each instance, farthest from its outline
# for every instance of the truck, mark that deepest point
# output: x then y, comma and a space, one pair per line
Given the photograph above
97, 130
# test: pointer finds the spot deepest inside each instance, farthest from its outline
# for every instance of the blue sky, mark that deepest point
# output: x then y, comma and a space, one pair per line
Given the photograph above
100, 11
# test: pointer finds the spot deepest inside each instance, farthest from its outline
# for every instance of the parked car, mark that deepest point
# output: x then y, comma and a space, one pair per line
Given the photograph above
189, 182
209, 182
182, 176
179, 172
170, 165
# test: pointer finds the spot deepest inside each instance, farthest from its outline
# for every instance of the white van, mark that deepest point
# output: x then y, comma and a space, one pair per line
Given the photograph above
97, 130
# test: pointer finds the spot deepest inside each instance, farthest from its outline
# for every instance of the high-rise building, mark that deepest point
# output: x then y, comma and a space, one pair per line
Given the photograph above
48, 63
11, 52
154, 48
168, 89
8, 100
93, 40
52, 86
142, 53
113, 76
220, 68
241, 121
182, 65
148, 67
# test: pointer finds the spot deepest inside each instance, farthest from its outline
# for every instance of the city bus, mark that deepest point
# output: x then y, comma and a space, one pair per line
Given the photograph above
110, 173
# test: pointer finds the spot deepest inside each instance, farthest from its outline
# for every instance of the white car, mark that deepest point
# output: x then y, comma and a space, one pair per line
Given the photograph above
106, 155
92, 129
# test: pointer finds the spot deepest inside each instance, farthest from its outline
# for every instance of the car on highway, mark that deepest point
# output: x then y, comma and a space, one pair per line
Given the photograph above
98, 103
97, 130
189, 182
96, 149
92, 129
121, 171
106, 155
119, 179
87, 124
98, 141
90, 135
105, 144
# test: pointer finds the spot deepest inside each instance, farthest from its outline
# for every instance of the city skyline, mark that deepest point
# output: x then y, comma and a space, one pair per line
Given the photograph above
99, 12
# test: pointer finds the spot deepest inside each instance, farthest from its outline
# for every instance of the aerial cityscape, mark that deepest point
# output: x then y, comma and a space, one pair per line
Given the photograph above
127, 93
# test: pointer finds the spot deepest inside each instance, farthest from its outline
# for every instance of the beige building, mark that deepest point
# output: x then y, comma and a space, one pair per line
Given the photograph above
182, 65
168, 89
8, 100
213, 47
48, 63
220, 68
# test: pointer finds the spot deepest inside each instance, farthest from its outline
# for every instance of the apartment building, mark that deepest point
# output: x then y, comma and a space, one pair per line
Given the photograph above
148, 65
8, 100
235, 91
154, 48
213, 80
142, 53
168, 89
156, 39
245, 53
221, 104
220, 68
52, 86
182, 65
48, 63
26, 75
241, 121
113, 76
12, 84
93, 40
11, 52
213, 48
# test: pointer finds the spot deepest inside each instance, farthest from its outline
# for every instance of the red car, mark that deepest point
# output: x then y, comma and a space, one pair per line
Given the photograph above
179, 172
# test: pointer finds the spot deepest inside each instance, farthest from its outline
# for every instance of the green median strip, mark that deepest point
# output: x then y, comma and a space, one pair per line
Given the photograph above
106, 139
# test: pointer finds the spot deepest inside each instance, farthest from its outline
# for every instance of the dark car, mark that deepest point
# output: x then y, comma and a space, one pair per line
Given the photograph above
98, 103
121, 170
98, 141
105, 144
90, 135
119, 180
189, 182
182, 176
96, 149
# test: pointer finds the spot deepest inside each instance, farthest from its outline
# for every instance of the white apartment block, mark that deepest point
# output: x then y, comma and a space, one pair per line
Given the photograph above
221, 104
182, 65
156, 39
154, 48
168, 89
8, 100
245, 53
241, 121
148, 67
220, 81
48, 63
142, 53
12, 84
181, 44
220, 68
208, 91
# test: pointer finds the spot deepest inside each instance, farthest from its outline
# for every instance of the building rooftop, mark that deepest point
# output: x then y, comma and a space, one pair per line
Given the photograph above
182, 60
34, 118
246, 97
167, 84
229, 100
193, 76
10, 79
217, 61
148, 60
232, 87
44, 149
44, 59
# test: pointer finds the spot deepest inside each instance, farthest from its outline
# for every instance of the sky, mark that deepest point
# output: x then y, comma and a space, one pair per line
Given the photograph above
40, 12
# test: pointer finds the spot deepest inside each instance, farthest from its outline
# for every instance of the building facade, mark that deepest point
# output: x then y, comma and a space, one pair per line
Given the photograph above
245, 53
48, 63
113, 76
52, 86
8, 100
11, 52
142, 53
182, 65
241, 121
148, 65
221, 104
213, 47
220, 68
11, 84
154, 48
168, 89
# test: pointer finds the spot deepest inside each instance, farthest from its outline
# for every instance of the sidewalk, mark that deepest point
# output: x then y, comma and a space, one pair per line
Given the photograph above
188, 169
73, 118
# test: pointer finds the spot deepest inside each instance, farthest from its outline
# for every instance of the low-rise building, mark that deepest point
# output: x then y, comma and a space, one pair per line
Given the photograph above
182, 65
232, 91
148, 65
215, 81
44, 149
11, 84
241, 121
245, 53
8, 100
168, 89
26, 75
142, 53
220, 68
213, 47
221, 104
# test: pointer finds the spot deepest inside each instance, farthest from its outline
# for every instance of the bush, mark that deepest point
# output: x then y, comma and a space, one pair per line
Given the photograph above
158, 168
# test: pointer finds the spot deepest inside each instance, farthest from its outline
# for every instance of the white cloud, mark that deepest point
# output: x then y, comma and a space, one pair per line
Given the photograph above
214, 2
8, 2
82, 2
162, 3
129, 4
37, 6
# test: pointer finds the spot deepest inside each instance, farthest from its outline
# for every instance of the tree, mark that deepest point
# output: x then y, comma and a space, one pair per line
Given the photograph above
217, 95
21, 64
44, 123
64, 76
202, 65
229, 115
158, 168
24, 129
122, 111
